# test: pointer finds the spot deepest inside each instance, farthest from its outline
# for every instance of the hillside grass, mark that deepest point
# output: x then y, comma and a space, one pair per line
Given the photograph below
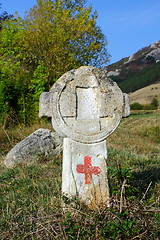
30, 202
146, 95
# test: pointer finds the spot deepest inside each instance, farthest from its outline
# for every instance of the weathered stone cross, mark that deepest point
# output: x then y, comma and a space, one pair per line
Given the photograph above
85, 108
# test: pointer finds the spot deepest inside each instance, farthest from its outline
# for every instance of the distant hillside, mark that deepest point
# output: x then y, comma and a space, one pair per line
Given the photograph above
137, 71
145, 95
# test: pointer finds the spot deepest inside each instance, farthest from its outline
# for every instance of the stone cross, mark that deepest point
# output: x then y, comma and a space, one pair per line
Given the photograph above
85, 107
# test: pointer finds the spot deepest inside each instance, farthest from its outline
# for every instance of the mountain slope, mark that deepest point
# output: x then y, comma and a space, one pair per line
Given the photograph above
137, 71
143, 78
145, 95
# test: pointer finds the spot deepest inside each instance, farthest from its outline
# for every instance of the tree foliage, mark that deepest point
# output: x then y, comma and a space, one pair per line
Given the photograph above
3, 17
54, 37
62, 35
14, 74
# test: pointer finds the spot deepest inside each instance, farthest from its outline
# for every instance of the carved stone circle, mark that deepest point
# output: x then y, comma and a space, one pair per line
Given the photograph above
84, 105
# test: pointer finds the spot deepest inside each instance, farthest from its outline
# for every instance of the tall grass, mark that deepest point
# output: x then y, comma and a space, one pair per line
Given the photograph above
31, 206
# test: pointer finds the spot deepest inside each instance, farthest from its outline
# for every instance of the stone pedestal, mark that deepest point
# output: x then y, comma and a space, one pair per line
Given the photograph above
84, 174
85, 107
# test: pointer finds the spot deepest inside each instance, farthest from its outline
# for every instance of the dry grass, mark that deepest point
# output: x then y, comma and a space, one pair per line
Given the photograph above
146, 94
30, 203
12, 135
130, 135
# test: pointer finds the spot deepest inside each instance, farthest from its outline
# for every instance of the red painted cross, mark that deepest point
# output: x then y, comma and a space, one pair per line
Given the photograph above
88, 169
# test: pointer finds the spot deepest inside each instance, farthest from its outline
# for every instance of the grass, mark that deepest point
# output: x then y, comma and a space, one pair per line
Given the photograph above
131, 135
30, 203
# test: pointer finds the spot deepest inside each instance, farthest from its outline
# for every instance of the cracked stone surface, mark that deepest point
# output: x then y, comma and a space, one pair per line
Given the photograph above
84, 105
85, 173
41, 142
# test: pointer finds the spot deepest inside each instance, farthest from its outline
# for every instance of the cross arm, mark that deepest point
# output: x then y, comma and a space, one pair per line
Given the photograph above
45, 104
126, 106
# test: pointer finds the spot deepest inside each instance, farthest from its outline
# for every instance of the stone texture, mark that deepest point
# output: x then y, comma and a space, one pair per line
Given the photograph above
126, 108
113, 73
88, 101
84, 173
41, 142
68, 110
155, 54
79, 101
45, 105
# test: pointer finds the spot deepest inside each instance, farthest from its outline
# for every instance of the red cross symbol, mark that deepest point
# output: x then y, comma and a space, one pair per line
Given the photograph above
88, 169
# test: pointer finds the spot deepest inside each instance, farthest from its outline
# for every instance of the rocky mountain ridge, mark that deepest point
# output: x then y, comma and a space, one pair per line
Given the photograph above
138, 70
152, 51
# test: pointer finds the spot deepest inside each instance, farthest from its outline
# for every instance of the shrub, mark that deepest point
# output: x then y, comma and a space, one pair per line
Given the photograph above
155, 103
148, 107
136, 106
152, 106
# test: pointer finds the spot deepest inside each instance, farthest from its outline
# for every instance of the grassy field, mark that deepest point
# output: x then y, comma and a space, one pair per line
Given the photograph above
30, 195
146, 94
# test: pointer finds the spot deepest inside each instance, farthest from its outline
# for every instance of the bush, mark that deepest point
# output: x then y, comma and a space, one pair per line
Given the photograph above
136, 106
152, 106
148, 107
155, 103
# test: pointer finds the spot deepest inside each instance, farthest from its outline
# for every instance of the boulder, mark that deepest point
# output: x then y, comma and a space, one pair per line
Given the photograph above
41, 142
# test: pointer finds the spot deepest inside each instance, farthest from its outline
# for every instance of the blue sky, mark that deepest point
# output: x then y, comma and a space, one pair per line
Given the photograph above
128, 25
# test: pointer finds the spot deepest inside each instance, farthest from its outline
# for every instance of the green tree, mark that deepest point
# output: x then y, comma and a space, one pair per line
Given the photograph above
63, 34
3, 17
55, 36
155, 103
14, 75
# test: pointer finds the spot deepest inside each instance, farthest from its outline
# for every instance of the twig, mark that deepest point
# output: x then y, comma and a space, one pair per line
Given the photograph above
7, 136
78, 234
139, 235
146, 192
116, 216
150, 210
33, 232
121, 199
72, 208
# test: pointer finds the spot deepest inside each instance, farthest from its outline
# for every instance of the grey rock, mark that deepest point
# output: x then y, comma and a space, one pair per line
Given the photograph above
130, 59
113, 73
155, 44
41, 142
155, 54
